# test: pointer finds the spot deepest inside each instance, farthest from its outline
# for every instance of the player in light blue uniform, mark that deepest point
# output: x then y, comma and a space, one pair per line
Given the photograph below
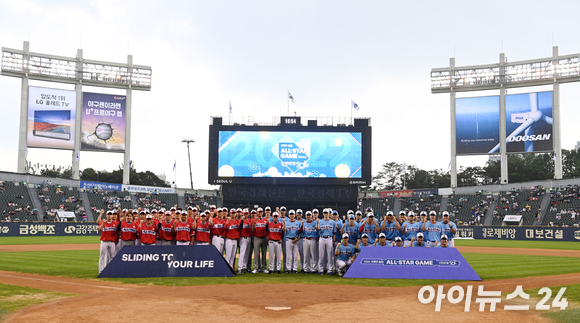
382, 241
345, 255
337, 233
310, 233
364, 242
444, 242
449, 229
390, 227
293, 229
351, 228
325, 228
402, 220
420, 241
371, 227
410, 229
358, 218
398, 243
299, 217
432, 230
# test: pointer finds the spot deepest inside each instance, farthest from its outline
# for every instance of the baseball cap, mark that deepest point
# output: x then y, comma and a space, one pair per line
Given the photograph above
189, 208
445, 213
135, 212
224, 209
419, 235
239, 210
423, 213
260, 209
291, 212
299, 211
432, 213
233, 211
168, 213
275, 214
253, 212
444, 237
219, 209
194, 209
358, 213
114, 211
351, 216
203, 214
267, 208
282, 208
370, 215
350, 212
411, 213
369, 209
154, 211
390, 213
364, 235
109, 212
308, 213
143, 212
382, 235
335, 212
345, 236
173, 209
246, 211
149, 216
124, 210
315, 211
401, 212
212, 206
177, 212
398, 239
325, 211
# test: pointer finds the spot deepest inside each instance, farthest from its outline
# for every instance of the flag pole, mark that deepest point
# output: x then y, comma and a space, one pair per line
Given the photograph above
288, 100
351, 107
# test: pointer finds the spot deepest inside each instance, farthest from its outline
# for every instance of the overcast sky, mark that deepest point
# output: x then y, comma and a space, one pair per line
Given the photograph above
205, 53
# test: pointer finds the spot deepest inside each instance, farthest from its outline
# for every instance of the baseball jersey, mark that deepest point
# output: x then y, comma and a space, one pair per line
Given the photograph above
390, 230
352, 232
411, 231
447, 229
433, 231
275, 231
202, 231
246, 228
293, 229
166, 232
378, 244
326, 228
370, 230
360, 246
233, 229
109, 232
183, 231
128, 230
309, 230
148, 233
417, 245
261, 230
440, 246
218, 228
345, 252
338, 226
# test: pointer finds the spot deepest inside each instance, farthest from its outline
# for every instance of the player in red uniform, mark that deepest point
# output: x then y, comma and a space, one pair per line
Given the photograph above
202, 229
128, 229
232, 235
166, 234
108, 229
276, 230
148, 231
218, 231
245, 241
260, 233
182, 230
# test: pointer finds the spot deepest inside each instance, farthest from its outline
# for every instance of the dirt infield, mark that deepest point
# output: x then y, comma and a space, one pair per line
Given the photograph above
104, 301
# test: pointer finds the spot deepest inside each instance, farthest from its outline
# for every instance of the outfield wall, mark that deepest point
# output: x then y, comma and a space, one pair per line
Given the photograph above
519, 233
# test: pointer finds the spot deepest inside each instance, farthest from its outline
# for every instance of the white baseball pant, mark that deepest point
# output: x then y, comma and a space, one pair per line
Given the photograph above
107, 254
341, 264
231, 246
275, 248
310, 255
244, 252
291, 255
325, 251
182, 243
260, 249
301, 252
218, 242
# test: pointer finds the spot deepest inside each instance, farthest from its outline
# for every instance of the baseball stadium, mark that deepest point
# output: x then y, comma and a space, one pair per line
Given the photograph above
294, 223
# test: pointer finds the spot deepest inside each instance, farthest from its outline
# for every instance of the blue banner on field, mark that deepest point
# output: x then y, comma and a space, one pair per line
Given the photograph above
519, 233
411, 263
30, 229
167, 261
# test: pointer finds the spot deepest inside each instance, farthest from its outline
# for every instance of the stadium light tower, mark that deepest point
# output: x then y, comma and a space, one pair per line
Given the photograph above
501, 76
187, 141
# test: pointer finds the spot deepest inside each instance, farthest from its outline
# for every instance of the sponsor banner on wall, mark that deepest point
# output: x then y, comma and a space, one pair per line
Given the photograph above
519, 233
103, 122
168, 261
51, 118
512, 218
101, 186
11, 229
411, 263
147, 189
427, 192
405, 193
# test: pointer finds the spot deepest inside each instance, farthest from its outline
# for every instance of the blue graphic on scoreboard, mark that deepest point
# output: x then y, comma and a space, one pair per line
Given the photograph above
290, 154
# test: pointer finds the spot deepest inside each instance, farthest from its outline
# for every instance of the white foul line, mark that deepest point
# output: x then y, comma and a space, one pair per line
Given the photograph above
63, 282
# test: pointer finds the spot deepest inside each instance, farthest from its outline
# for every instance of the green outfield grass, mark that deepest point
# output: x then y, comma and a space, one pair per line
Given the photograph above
48, 240
83, 264
564, 245
14, 298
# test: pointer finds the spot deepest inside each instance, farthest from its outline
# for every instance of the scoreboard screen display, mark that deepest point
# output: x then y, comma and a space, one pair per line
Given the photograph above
257, 155
290, 154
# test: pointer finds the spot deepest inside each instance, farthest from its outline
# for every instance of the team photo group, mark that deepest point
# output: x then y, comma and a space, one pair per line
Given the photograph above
282, 240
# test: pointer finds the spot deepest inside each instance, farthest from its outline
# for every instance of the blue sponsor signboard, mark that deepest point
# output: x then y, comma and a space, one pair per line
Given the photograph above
102, 186
167, 261
12, 229
411, 263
